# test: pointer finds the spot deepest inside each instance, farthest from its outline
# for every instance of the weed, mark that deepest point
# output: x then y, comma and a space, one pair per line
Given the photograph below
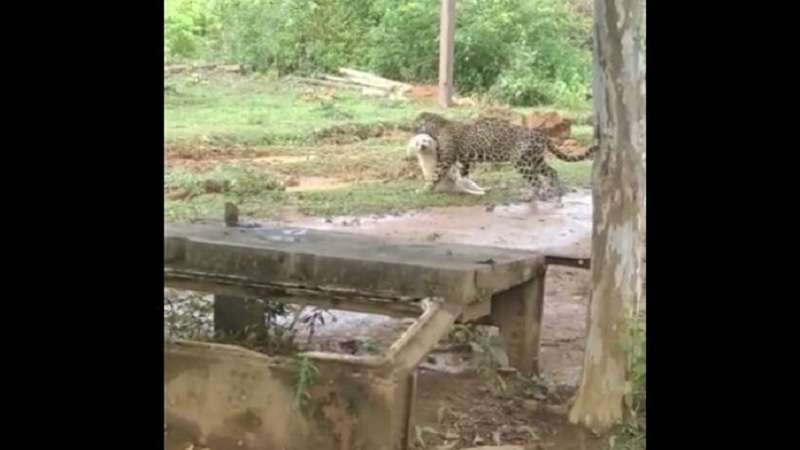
307, 376
631, 435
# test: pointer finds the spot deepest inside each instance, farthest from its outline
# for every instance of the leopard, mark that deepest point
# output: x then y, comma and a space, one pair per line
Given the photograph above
492, 139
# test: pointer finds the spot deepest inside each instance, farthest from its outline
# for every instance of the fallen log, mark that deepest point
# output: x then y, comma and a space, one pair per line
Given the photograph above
373, 80
324, 83
356, 82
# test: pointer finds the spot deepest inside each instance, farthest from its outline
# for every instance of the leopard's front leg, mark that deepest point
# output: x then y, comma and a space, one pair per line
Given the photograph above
442, 171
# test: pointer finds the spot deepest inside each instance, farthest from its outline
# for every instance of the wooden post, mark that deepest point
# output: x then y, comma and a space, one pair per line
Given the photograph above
446, 49
237, 315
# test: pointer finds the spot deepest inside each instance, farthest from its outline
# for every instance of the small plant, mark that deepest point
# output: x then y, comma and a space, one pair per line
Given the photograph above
307, 376
421, 432
631, 435
485, 347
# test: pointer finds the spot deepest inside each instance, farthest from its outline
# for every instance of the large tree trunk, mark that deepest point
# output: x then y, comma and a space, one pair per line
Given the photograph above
618, 179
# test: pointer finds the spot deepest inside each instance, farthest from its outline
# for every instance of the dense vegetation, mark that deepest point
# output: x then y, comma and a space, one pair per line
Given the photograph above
524, 52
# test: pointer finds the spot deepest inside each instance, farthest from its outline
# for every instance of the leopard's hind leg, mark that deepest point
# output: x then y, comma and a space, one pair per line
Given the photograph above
528, 164
555, 190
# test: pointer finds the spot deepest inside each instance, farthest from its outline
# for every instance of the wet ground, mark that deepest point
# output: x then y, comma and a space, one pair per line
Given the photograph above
566, 230
455, 406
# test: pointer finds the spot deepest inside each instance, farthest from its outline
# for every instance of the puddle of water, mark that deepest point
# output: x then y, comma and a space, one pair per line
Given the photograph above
513, 226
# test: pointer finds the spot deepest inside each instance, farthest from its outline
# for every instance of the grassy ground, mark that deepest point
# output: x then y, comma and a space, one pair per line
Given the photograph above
251, 140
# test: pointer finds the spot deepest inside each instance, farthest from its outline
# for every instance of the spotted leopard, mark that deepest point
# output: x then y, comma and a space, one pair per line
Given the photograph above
492, 139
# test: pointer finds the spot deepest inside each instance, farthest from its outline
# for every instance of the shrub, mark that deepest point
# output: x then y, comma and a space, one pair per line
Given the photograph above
525, 52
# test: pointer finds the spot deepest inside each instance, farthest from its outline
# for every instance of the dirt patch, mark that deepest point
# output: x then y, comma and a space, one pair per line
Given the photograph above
203, 159
462, 411
428, 95
424, 94
302, 184
354, 132
200, 152
550, 123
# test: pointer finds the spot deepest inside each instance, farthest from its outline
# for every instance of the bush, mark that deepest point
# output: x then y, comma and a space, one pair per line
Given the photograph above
291, 35
404, 44
189, 26
552, 61
525, 52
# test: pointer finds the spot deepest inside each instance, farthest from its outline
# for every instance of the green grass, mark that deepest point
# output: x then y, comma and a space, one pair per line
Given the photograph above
224, 133
360, 197
252, 111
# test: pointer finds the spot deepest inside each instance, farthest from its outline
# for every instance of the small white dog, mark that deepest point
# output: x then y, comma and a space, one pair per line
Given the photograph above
425, 147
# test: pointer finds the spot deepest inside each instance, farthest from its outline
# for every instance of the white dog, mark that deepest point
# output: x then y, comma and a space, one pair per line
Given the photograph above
425, 147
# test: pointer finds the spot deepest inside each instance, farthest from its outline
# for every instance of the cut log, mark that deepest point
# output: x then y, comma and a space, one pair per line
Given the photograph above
374, 80
357, 82
325, 83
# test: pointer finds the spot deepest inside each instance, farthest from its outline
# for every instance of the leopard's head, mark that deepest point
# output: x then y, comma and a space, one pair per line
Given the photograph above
429, 123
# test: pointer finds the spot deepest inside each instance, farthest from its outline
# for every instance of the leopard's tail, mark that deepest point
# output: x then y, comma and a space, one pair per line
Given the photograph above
573, 158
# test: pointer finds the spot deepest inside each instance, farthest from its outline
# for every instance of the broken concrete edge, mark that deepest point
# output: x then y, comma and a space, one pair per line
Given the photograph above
423, 335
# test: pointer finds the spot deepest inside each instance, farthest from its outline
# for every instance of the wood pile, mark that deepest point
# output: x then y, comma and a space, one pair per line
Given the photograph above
366, 83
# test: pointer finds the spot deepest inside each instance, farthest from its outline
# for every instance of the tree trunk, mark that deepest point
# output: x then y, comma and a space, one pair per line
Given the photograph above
618, 179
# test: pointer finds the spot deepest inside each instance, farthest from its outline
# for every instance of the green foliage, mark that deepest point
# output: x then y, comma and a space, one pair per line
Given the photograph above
551, 62
189, 26
631, 436
237, 180
525, 52
290, 35
404, 44
307, 376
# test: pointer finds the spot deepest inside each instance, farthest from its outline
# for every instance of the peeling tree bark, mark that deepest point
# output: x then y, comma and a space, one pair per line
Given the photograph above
618, 179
